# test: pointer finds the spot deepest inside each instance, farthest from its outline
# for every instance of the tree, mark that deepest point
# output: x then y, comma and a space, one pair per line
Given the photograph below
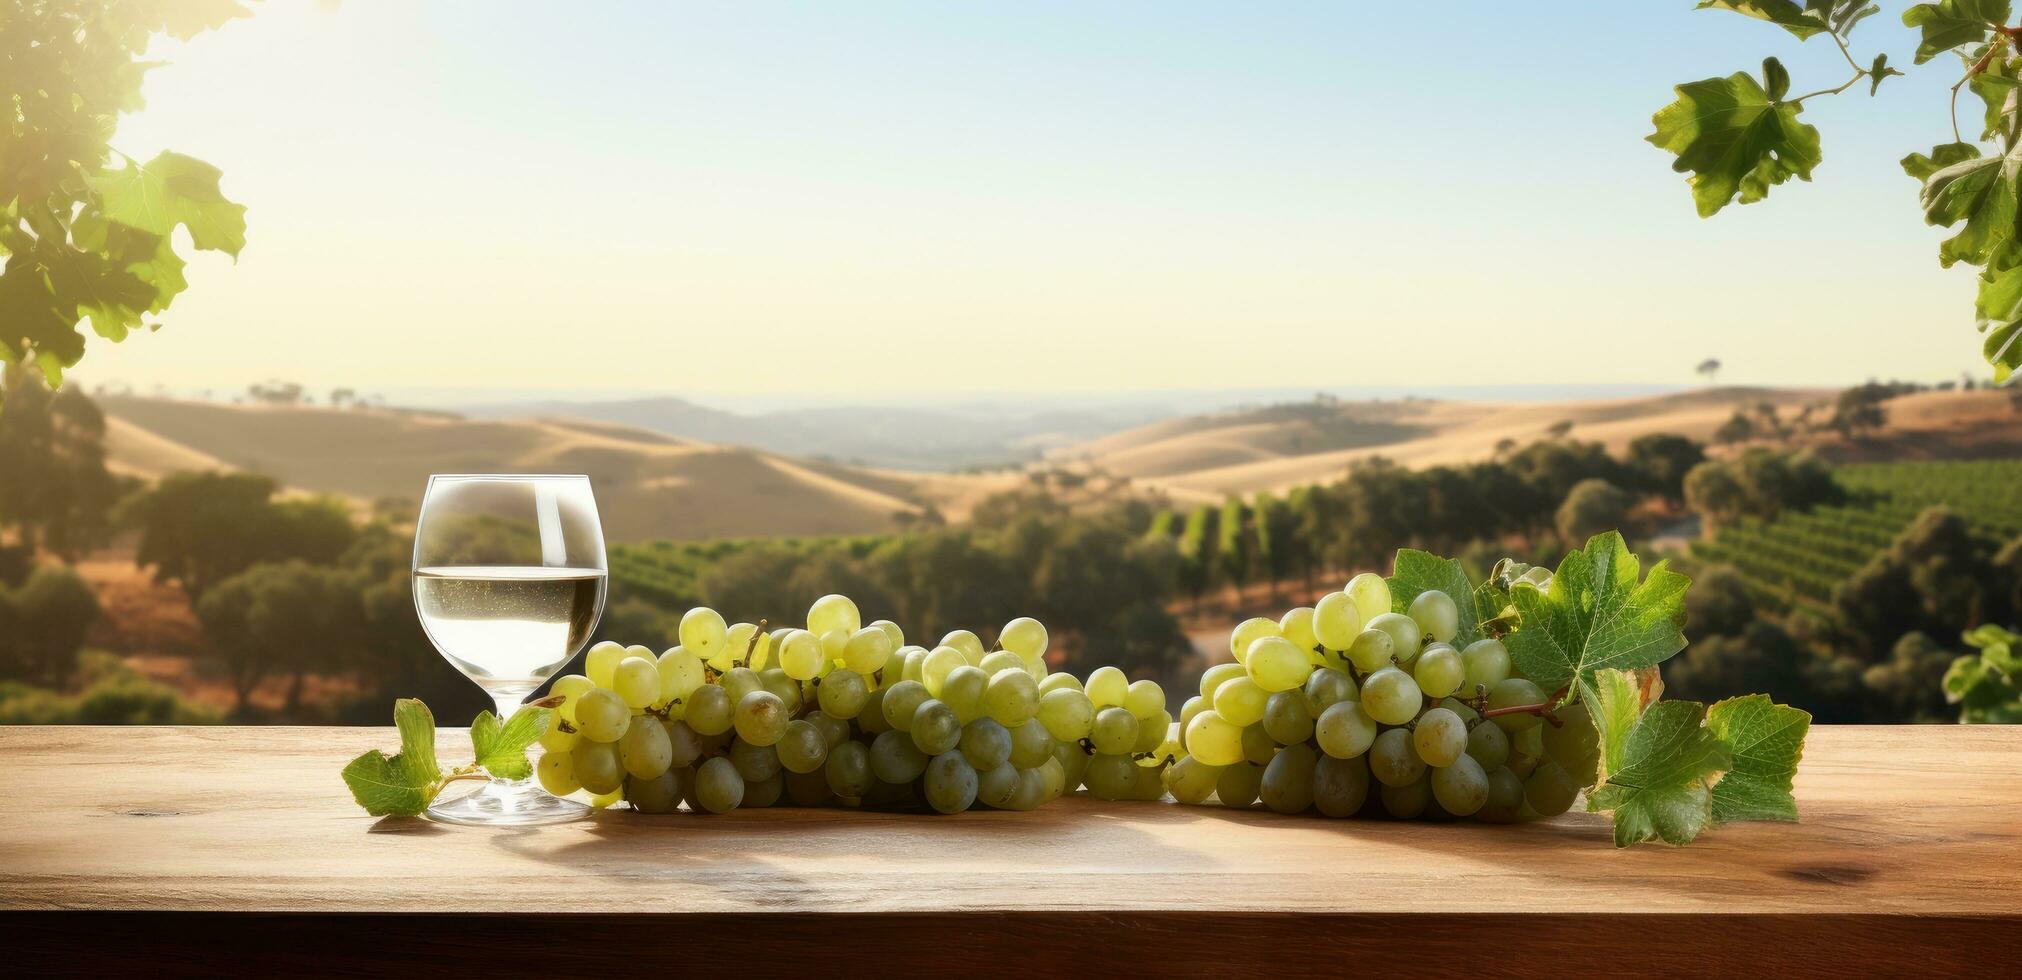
1197, 551
1591, 507
1935, 579
1559, 429
1858, 410
85, 239
1761, 656
1278, 542
1660, 461
200, 528
43, 624
54, 487
1709, 369
1759, 483
283, 618
1909, 685
1737, 429
1718, 604
1739, 136
1236, 551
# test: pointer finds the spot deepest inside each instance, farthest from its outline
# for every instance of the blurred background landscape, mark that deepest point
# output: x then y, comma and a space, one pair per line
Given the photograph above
1139, 325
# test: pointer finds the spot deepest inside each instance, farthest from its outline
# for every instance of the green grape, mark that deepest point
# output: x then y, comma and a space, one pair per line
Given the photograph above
1055, 775
1440, 737
718, 787
602, 716
761, 718
895, 759
1030, 793
785, 688
1068, 715
1144, 698
1241, 701
986, 744
1055, 682
1011, 697
835, 646
1275, 664
644, 749
949, 783
1505, 797
1460, 708
1372, 650
868, 650
934, 728
602, 661
1258, 745
1107, 686
1336, 621
1195, 705
1529, 741
1573, 743
754, 762
808, 788
800, 655
834, 612
1486, 663
1214, 677
556, 738
557, 771
1148, 785
969, 643
709, 710
1110, 776
1340, 786
764, 792
596, 765
962, 690
902, 701
1248, 632
1370, 593
939, 663
834, 731
803, 748
1407, 801
1393, 760
1297, 626
849, 770
1286, 718
1436, 615
1213, 740
1550, 789
1329, 687
684, 746
1461, 788
1191, 781
1405, 636
1114, 731
740, 681
1344, 730
1391, 696
1031, 746
999, 661
872, 718
636, 681
997, 786
654, 794
1438, 670
601, 801
1488, 745
1514, 691
1025, 637
1073, 762
1238, 784
1152, 733
842, 693
743, 646
1287, 786
702, 632
680, 674
571, 687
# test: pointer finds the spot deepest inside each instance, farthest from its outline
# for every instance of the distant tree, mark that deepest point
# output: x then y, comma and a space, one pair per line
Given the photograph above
1504, 446
1708, 369
1278, 543
1236, 549
1311, 524
288, 618
43, 624
1908, 685
1559, 429
1769, 421
1591, 507
1759, 657
1737, 429
196, 529
1758, 483
54, 488
1383, 508
1197, 551
1859, 411
1718, 604
1661, 459
1934, 579
340, 397
1164, 524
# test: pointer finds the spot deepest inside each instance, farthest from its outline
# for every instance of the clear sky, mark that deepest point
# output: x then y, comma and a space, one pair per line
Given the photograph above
852, 198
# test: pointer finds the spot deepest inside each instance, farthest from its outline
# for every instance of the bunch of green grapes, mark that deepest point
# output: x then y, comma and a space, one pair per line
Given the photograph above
837, 713
1347, 707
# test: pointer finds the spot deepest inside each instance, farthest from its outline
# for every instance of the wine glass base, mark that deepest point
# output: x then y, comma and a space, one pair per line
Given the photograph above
501, 803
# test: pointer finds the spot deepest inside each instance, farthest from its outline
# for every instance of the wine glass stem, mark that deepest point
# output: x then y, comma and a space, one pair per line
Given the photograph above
506, 702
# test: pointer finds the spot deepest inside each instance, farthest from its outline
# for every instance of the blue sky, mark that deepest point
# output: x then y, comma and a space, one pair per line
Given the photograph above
848, 198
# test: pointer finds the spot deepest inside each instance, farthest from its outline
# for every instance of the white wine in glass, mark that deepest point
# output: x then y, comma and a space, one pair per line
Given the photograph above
509, 581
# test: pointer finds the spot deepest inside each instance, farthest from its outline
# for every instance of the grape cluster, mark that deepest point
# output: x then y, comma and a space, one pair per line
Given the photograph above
1348, 707
846, 713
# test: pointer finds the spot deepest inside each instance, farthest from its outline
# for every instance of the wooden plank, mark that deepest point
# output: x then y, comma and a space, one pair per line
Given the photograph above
1909, 842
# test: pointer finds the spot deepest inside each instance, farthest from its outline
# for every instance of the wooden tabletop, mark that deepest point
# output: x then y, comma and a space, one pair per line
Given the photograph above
1909, 852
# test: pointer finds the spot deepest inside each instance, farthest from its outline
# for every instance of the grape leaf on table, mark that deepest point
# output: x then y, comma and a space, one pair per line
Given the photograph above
1734, 139
1658, 763
1419, 571
502, 749
1948, 24
1597, 615
1765, 739
406, 783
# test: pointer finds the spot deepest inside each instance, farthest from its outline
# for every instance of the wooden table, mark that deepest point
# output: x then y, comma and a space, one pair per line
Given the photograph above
194, 850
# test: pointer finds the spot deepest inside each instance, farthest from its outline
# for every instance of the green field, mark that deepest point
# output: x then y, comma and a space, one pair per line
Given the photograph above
1796, 559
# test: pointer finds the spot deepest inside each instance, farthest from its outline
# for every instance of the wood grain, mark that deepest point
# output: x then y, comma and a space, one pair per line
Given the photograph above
1908, 854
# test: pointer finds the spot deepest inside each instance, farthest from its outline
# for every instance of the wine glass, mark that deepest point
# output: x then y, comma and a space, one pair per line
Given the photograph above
509, 580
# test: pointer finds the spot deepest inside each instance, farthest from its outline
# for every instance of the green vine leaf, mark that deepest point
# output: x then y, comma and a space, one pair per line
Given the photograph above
1600, 613
502, 749
1417, 571
1948, 24
1980, 192
1878, 71
1786, 14
1735, 140
1766, 740
406, 783
172, 190
1659, 763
